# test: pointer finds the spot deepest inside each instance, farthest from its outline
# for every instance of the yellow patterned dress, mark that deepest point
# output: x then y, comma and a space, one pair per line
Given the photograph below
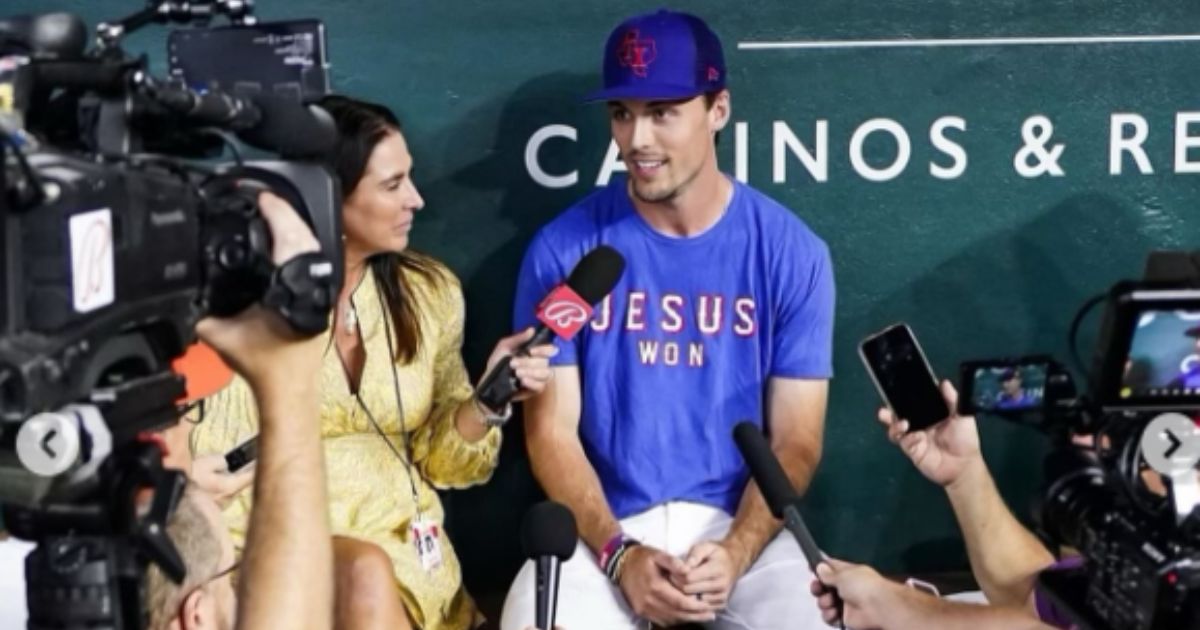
369, 493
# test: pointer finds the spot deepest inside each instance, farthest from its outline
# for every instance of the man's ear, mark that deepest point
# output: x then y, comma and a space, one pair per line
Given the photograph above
720, 112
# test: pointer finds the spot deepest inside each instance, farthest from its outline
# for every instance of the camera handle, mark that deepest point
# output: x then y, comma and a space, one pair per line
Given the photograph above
109, 34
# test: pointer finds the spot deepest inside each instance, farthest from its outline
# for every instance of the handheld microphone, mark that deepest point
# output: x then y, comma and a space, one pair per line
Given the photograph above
777, 490
549, 537
563, 313
775, 487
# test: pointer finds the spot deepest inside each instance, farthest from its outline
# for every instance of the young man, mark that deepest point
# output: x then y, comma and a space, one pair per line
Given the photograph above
1012, 393
1189, 378
724, 313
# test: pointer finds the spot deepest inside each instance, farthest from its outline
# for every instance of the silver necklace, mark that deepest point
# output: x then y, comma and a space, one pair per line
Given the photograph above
349, 318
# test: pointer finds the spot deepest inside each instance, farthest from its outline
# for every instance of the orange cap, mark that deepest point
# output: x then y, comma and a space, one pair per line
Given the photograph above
203, 371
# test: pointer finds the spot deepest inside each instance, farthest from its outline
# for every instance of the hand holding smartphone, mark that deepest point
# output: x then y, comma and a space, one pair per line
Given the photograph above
902, 374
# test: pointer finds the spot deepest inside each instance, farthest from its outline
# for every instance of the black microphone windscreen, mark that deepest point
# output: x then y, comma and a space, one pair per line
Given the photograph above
291, 129
595, 275
764, 467
549, 530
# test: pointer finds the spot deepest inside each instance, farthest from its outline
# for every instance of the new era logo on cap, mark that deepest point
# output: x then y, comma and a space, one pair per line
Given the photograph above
663, 55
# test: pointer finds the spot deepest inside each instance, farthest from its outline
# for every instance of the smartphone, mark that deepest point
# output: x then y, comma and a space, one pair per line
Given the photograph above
242, 455
903, 376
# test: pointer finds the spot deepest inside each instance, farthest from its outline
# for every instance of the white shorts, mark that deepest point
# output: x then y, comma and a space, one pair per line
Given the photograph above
773, 594
12, 582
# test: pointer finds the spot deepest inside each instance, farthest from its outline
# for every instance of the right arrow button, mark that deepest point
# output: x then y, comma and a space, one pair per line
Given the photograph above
1171, 444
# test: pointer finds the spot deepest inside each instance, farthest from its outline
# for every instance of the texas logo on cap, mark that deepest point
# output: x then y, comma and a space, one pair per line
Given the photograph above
636, 52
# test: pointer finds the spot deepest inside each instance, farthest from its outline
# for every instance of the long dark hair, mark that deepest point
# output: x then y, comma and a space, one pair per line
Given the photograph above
361, 126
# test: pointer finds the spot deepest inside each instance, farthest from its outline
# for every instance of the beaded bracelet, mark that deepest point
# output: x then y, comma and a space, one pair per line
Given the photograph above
609, 547
613, 555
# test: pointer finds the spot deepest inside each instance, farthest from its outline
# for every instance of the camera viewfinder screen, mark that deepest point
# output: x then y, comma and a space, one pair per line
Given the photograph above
1164, 356
283, 58
1009, 387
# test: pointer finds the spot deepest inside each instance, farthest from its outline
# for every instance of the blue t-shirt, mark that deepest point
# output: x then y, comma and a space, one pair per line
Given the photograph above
682, 349
1188, 379
1003, 401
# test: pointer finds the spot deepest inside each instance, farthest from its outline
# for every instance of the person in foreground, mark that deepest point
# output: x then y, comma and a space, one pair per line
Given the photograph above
288, 532
1005, 557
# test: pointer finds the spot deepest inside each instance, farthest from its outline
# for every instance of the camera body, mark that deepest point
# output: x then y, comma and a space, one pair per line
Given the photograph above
119, 231
1138, 536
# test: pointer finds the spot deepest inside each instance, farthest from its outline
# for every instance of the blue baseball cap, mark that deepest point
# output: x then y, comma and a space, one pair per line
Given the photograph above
662, 55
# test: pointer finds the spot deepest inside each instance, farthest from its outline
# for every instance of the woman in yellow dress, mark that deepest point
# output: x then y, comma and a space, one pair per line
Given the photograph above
394, 355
